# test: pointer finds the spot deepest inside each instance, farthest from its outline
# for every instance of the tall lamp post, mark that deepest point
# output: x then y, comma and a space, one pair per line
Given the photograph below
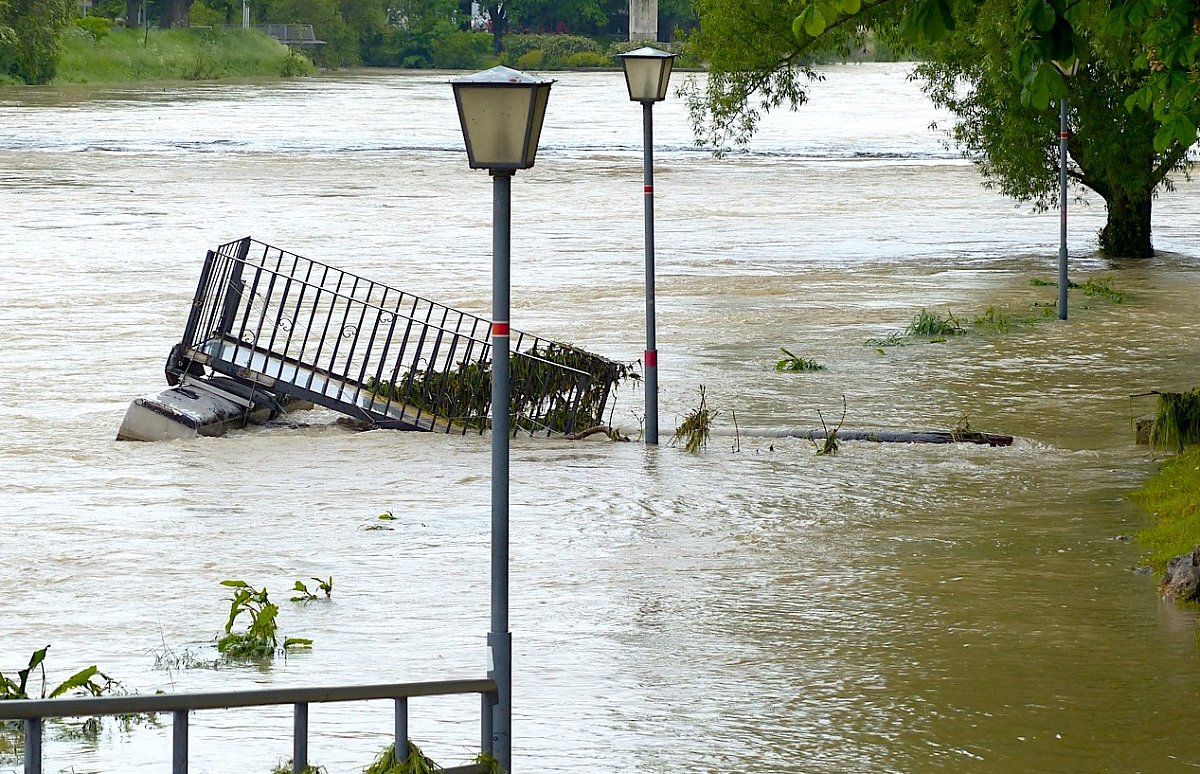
501, 112
1068, 71
647, 71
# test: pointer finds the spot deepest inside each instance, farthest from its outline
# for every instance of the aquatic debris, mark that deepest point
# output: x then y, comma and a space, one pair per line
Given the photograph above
791, 362
694, 429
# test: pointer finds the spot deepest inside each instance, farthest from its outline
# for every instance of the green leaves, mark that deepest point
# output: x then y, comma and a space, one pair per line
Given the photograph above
1177, 126
10, 689
309, 596
927, 21
811, 20
81, 679
819, 15
260, 640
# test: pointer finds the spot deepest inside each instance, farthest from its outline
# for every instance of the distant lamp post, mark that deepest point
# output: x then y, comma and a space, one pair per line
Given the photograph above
647, 72
501, 112
1068, 70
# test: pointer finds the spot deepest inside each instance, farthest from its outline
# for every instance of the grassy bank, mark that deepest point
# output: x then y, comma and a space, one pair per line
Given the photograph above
1173, 496
185, 54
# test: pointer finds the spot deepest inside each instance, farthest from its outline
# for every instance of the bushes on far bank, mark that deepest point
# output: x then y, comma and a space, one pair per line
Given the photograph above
187, 54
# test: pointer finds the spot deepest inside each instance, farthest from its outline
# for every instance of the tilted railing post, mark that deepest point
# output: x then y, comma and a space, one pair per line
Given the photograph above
179, 743
33, 746
234, 290
401, 730
300, 738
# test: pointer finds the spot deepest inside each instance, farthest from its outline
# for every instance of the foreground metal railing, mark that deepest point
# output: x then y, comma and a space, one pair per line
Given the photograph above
34, 711
293, 327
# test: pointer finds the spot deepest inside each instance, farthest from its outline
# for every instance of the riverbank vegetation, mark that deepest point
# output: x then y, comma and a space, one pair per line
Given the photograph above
202, 39
101, 54
1172, 495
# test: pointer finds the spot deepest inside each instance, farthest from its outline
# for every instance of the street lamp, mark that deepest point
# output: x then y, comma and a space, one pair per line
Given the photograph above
1068, 71
501, 112
647, 71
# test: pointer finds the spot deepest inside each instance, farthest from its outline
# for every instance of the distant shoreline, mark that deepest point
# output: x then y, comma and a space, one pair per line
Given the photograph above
133, 55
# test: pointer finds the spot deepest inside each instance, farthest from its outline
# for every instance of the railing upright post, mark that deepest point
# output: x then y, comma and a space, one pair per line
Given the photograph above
179, 743
401, 730
487, 700
33, 746
300, 738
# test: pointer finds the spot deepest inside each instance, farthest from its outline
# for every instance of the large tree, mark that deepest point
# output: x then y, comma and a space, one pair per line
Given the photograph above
1134, 100
30, 37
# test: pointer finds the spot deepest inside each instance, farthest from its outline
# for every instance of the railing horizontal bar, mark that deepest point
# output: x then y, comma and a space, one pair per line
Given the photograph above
351, 298
470, 768
21, 709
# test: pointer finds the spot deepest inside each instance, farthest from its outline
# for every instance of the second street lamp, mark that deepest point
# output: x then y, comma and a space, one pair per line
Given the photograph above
501, 112
647, 72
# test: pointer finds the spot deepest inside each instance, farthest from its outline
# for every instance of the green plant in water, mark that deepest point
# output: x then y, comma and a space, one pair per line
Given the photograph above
998, 320
1102, 288
830, 445
1177, 421
261, 638
286, 767
489, 760
325, 586
1038, 282
792, 362
962, 429
893, 339
81, 680
927, 323
694, 429
417, 762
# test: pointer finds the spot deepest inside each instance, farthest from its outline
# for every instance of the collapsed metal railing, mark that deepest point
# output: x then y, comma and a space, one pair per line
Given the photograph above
33, 711
292, 327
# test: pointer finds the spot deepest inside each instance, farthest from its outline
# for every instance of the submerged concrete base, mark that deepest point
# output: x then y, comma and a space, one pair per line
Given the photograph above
196, 407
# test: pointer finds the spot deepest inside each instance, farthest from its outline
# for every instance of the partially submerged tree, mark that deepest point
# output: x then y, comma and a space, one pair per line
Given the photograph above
1134, 102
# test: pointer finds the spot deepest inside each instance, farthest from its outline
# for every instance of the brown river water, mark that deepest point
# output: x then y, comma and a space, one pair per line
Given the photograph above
893, 608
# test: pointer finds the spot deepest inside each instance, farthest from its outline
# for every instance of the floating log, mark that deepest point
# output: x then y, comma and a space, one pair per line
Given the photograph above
886, 436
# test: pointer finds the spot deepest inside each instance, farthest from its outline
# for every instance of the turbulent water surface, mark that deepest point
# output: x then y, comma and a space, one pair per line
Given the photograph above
891, 608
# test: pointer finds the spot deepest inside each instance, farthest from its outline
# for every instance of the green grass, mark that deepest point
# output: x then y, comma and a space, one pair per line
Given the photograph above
1173, 496
928, 323
131, 55
1176, 421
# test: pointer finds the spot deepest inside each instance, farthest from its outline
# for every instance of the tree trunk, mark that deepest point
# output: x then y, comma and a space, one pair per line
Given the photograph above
133, 13
175, 14
499, 16
1127, 232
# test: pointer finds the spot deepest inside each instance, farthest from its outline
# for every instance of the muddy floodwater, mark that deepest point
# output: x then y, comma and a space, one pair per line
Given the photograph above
893, 608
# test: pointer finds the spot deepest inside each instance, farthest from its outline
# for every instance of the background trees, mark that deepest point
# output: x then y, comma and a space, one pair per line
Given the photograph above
29, 37
1134, 102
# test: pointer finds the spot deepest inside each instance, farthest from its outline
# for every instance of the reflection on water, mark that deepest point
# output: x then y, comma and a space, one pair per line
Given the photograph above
892, 608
